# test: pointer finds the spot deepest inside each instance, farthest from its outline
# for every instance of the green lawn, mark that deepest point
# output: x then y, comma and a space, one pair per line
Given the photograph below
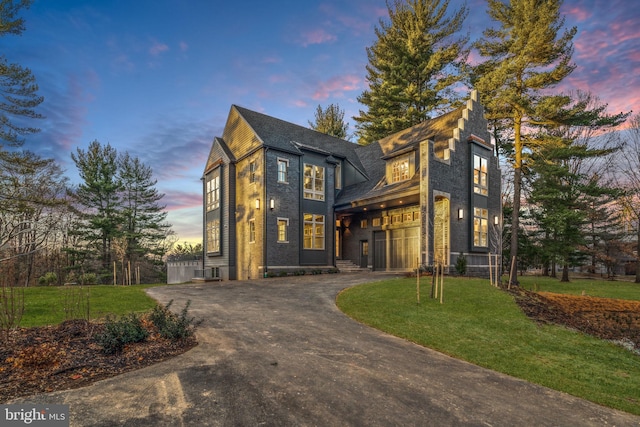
46, 305
483, 325
596, 288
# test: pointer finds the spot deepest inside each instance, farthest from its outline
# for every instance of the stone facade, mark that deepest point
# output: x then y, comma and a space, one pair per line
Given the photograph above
293, 199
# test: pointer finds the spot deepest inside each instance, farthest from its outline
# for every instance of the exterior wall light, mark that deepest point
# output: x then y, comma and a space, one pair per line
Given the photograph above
272, 204
460, 213
496, 220
257, 203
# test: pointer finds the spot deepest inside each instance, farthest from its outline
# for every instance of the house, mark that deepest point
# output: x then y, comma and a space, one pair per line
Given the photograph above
280, 197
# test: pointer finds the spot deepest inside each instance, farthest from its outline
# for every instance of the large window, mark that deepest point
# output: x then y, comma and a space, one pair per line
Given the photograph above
213, 190
400, 169
283, 170
480, 227
213, 236
313, 231
480, 175
283, 230
313, 182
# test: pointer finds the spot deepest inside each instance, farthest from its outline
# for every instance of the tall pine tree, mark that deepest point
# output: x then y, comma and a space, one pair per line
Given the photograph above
143, 218
330, 120
98, 198
18, 88
528, 54
566, 166
413, 67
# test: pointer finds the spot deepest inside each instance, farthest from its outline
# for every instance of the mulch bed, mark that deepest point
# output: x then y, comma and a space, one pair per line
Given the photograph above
606, 318
65, 356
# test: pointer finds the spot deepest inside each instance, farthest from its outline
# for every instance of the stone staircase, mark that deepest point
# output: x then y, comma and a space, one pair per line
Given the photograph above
347, 266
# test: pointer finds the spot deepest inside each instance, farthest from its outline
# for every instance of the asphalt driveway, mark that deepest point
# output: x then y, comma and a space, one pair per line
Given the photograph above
278, 352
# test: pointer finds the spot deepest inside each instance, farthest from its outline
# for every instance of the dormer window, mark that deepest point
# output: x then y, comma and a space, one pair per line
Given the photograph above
400, 169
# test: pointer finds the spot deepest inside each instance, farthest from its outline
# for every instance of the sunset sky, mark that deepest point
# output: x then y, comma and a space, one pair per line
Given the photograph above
157, 78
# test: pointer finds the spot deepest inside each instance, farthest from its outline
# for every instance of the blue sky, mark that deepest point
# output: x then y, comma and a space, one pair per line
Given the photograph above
157, 78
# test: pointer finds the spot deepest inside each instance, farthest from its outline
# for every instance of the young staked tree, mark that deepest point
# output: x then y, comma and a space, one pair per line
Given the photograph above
528, 54
414, 66
98, 198
330, 120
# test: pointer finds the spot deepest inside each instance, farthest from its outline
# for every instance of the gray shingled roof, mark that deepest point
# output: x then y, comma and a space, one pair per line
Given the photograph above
289, 137
373, 155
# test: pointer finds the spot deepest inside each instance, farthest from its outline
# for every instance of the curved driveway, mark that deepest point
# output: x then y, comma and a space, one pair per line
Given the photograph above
278, 352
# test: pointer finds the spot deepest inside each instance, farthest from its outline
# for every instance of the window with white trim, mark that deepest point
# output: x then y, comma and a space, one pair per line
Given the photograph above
213, 190
283, 171
400, 169
252, 231
313, 231
480, 175
313, 182
213, 236
283, 230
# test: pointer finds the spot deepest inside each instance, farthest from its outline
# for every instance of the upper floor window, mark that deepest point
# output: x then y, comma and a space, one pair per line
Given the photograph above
480, 175
213, 190
339, 176
253, 167
400, 169
283, 170
480, 227
313, 182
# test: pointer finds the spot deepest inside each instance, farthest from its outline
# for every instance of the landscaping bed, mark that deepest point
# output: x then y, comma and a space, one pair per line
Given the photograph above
65, 356
606, 318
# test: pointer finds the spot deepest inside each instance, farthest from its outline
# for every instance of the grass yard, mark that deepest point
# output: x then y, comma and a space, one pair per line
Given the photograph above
50, 305
483, 325
596, 288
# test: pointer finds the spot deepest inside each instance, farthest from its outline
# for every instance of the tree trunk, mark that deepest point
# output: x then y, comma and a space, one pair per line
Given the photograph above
515, 223
517, 189
638, 254
565, 273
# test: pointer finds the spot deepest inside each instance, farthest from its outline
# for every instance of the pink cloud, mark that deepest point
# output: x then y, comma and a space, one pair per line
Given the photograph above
335, 86
272, 60
157, 48
177, 200
318, 36
578, 12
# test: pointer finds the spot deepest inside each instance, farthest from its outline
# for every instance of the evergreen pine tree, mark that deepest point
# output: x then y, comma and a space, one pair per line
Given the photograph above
330, 121
413, 67
529, 53
17, 85
97, 198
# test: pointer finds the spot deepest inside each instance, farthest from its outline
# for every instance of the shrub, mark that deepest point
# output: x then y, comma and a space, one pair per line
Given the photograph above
118, 333
172, 326
461, 264
89, 279
48, 279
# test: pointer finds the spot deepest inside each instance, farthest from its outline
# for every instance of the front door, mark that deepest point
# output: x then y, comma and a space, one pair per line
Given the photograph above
364, 253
